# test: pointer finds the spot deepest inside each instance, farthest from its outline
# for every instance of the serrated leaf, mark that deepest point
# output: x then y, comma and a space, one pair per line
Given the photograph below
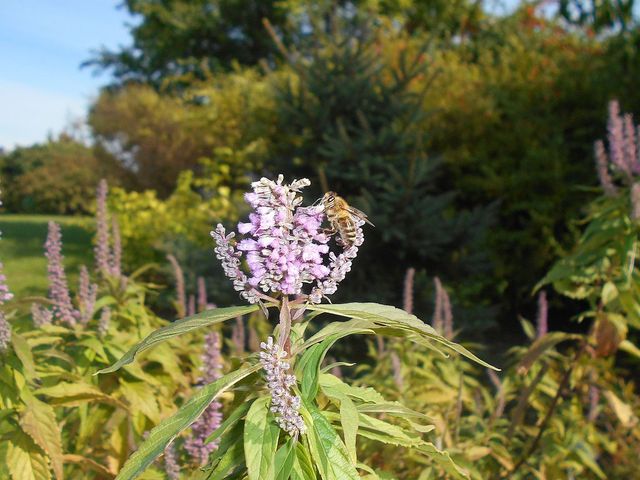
168, 429
261, 434
23, 352
230, 421
232, 460
444, 460
88, 463
302, 465
541, 345
384, 317
38, 420
328, 451
283, 461
330, 383
350, 422
141, 399
609, 293
25, 460
73, 394
621, 409
180, 327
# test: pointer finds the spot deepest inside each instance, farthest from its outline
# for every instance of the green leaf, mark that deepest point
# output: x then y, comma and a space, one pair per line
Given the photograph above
23, 352
232, 460
332, 385
302, 465
185, 325
541, 345
25, 461
609, 293
387, 318
283, 461
168, 429
308, 367
350, 422
444, 460
387, 432
65, 393
38, 420
328, 451
630, 348
261, 434
230, 421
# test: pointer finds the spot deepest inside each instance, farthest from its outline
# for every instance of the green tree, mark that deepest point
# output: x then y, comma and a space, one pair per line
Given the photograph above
58, 176
178, 37
352, 120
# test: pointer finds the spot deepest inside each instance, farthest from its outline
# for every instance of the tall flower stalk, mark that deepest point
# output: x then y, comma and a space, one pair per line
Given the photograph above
108, 253
211, 419
87, 293
5, 328
63, 310
290, 263
181, 295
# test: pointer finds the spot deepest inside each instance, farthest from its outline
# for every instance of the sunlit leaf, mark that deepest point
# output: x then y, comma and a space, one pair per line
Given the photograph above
180, 327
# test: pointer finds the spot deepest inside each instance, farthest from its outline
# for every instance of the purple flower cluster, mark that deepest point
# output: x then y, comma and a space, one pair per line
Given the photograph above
41, 316
103, 323
171, 462
63, 310
211, 418
623, 156
542, 323
284, 246
108, 257
202, 295
5, 294
181, 296
5, 328
87, 293
284, 404
442, 315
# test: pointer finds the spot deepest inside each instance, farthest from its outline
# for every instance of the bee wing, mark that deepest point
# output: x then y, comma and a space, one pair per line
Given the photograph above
361, 215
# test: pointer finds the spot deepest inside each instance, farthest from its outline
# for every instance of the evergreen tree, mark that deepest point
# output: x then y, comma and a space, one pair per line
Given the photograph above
351, 121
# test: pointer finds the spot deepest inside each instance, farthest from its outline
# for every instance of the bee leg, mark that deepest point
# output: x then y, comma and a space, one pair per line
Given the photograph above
329, 231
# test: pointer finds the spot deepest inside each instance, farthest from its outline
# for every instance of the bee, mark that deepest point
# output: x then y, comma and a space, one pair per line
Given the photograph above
342, 217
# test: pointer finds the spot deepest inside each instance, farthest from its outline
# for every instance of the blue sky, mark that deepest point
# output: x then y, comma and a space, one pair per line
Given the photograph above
42, 43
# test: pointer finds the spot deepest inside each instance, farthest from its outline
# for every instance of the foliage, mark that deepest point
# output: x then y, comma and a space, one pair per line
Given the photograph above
328, 405
156, 137
55, 177
190, 38
24, 237
352, 119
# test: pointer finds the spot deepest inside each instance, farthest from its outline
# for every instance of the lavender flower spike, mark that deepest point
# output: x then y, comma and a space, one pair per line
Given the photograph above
5, 294
103, 323
5, 333
285, 247
171, 462
211, 418
87, 293
181, 296
284, 404
101, 249
40, 315
543, 315
202, 295
63, 310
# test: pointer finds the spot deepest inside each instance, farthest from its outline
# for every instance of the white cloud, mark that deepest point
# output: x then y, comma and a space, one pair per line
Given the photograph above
28, 114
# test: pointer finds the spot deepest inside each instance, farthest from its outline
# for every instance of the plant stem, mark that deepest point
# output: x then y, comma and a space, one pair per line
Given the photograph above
545, 422
285, 325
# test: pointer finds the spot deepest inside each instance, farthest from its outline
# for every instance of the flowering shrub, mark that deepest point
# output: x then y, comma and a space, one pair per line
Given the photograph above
289, 428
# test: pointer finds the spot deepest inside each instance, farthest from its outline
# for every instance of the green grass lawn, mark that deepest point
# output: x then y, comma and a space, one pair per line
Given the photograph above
22, 250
